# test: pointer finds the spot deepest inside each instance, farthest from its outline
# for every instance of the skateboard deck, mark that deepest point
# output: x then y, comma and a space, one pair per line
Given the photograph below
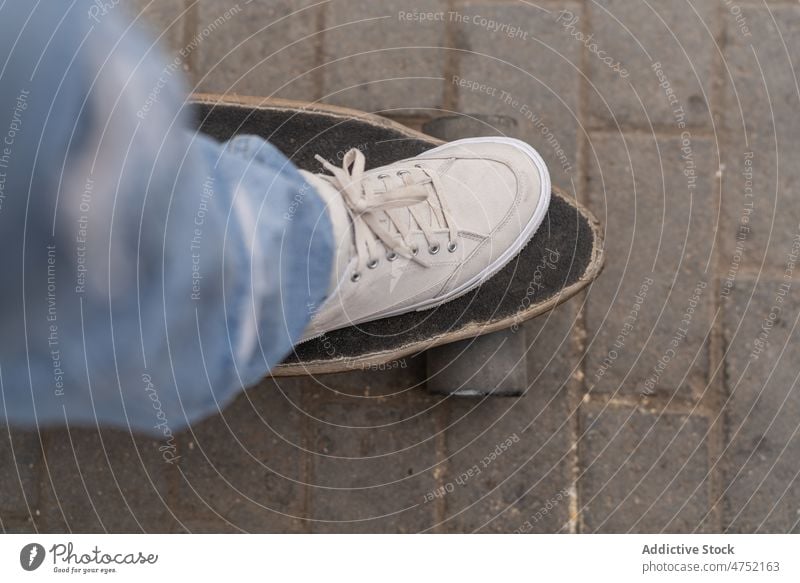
564, 256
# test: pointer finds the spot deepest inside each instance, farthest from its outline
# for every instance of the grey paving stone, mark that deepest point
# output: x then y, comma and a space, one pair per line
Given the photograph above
244, 469
18, 527
761, 179
262, 48
373, 459
208, 524
529, 73
114, 484
638, 35
20, 460
658, 248
643, 473
508, 460
377, 58
166, 20
761, 479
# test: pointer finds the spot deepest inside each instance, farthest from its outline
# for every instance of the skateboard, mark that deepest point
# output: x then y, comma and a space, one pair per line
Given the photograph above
473, 344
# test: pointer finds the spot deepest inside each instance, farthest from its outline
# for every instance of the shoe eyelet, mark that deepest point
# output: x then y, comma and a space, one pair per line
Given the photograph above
372, 264
403, 173
391, 256
417, 165
414, 251
383, 176
355, 277
452, 246
434, 249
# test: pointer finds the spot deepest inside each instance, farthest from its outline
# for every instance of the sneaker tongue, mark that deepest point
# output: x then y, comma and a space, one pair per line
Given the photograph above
428, 215
425, 212
340, 220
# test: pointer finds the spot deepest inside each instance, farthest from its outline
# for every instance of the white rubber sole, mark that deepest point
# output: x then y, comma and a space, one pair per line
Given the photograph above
524, 237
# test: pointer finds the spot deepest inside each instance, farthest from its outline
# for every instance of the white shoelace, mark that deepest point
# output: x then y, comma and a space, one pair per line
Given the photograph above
365, 206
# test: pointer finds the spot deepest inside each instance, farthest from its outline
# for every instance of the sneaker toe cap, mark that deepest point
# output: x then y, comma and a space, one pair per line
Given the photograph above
493, 188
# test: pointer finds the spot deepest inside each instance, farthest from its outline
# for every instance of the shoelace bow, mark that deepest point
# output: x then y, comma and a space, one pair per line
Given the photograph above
365, 208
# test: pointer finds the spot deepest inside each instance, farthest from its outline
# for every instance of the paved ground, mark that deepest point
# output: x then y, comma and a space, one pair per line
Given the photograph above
665, 398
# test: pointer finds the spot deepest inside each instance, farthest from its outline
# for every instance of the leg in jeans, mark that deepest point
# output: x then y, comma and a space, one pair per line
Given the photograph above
150, 273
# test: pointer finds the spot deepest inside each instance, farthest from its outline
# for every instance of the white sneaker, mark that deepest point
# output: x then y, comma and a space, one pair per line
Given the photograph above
423, 231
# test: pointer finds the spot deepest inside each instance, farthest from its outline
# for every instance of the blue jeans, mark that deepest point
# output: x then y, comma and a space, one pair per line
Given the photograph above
149, 272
